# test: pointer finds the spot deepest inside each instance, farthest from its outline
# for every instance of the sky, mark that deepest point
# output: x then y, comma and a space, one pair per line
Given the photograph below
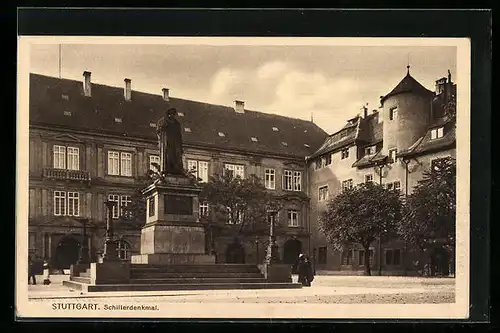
329, 83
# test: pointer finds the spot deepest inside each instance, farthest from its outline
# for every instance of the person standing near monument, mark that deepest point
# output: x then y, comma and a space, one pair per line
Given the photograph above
169, 135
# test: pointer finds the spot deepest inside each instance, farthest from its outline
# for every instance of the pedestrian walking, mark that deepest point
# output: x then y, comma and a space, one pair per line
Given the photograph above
46, 272
31, 270
306, 275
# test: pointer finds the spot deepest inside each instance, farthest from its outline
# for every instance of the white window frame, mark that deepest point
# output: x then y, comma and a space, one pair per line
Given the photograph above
199, 169
113, 163
369, 178
126, 164
203, 208
437, 133
73, 199
270, 178
323, 193
393, 113
344, 154
73, 158
347, 184
123, 246
293, 218
297, 181
287, 180
59, 157
236, 169
116, 208
154, 159
392, 159
60, 203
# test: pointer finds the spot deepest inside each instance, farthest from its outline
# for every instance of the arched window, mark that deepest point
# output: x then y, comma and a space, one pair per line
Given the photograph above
123, 249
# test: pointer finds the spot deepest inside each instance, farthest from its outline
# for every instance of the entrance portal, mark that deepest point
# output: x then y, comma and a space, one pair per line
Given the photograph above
67, 252
291, 251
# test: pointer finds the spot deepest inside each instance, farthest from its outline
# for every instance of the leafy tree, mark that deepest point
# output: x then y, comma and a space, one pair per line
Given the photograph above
242, 202
429, 216
134, 214
361, 215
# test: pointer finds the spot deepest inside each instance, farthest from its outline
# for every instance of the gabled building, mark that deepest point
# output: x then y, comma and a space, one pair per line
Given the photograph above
89, 143
393, 146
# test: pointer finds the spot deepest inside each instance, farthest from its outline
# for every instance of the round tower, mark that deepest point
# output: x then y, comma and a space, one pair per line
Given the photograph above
406, 112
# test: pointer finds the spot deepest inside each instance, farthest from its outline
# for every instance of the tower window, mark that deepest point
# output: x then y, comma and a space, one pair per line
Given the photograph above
437, 133
393, 113
392, 155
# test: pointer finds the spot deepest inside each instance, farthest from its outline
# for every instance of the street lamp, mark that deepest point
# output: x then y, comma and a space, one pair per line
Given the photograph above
380, 252
272, 255
84, 249
257, 249
110, 253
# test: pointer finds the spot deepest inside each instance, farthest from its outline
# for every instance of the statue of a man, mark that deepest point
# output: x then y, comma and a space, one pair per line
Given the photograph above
169, 135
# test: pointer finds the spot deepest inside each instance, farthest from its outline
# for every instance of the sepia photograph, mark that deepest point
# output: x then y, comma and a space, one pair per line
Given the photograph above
242, 177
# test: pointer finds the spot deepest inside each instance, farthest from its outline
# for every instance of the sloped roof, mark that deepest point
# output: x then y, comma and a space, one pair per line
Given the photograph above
342, 138
407, 84
425, 144
294, 137
369, 160
370, 130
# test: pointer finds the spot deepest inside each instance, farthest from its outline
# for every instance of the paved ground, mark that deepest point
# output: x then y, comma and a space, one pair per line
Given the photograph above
325, 290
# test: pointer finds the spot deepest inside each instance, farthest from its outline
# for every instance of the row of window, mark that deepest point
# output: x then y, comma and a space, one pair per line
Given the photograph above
326, 160
392, 257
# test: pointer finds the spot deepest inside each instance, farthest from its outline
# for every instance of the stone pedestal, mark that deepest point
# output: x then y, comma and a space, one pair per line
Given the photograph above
172, 233
110, 272
276, 273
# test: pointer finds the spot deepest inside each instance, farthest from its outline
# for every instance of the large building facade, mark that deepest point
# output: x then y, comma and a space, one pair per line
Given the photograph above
393, 146
90, 143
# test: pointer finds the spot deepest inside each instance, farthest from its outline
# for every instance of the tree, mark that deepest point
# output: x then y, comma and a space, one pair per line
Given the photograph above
429, 216
244, 203
134, 213
361, 215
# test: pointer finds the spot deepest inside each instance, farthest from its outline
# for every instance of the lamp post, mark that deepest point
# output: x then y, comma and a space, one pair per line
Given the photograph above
110, 253
256, 249
84, 249
272, 255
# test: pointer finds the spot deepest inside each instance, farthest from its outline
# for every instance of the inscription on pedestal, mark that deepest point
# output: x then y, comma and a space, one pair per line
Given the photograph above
176, 204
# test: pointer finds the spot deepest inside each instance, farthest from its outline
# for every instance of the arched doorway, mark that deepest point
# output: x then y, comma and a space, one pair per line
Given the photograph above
291, 251
235, 254
67, 252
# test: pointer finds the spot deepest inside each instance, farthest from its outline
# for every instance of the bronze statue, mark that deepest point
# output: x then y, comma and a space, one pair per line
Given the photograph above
169, 135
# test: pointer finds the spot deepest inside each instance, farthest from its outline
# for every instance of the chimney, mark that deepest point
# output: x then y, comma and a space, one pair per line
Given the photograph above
127, 92
239, 106
165, 94
365, 111
87, 86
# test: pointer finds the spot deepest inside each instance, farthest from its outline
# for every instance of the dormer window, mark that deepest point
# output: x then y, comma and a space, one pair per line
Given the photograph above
284, 144
180, 114
221, 134
437, 133
370, 150
254, 139
67, 113
152, 125
275, 129
65, 97
393, 113
343, 134
306, 145
118, 120
187, 129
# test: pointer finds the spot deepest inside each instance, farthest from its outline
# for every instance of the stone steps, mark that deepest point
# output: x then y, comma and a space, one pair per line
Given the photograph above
202, 280
172, 286
188, 275
208, 268
81, 279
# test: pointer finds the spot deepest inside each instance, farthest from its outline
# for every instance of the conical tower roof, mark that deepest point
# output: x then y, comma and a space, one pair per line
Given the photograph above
407, 84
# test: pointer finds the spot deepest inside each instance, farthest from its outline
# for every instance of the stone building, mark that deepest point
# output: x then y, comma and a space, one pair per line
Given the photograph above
89, 143
392, 146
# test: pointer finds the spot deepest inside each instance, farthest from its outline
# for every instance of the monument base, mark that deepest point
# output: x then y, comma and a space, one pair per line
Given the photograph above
276, 272
172, 258
110, 272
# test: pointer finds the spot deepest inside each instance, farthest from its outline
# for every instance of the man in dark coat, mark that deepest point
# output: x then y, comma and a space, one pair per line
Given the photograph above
306, 275
31, 270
